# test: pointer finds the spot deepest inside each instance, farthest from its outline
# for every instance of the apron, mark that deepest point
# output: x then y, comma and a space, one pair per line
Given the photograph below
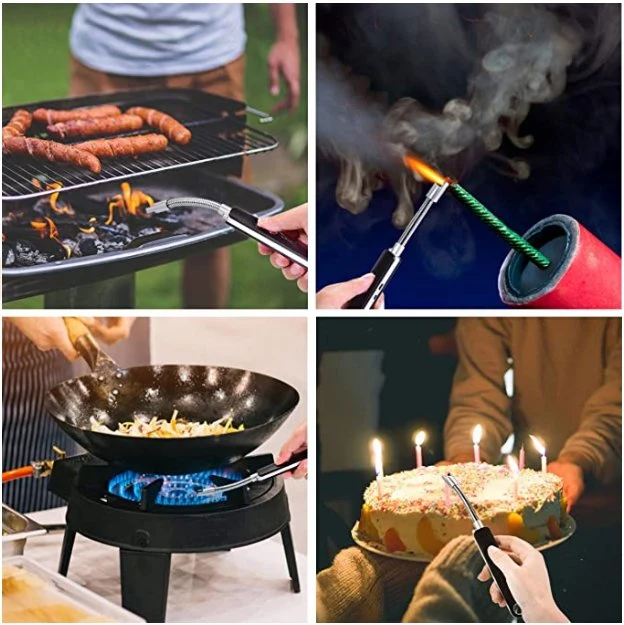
28, 433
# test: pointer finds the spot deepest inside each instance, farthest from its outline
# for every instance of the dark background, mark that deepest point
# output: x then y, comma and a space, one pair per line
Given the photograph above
575, 160
418, 365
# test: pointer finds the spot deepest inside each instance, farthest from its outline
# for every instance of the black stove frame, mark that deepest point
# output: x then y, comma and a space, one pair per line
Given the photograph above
145, 537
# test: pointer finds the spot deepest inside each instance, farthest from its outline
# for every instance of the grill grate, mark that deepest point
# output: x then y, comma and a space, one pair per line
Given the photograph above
211, 141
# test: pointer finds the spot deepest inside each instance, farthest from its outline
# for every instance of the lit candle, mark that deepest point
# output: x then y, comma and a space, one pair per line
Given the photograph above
541, 449
513, 465
419, 439
521, 460
378, 464
476, 439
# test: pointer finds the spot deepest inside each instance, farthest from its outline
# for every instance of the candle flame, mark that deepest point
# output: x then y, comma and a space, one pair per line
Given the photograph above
476, 434
538, 445
376, 445
513, 465
420, 437
425, 171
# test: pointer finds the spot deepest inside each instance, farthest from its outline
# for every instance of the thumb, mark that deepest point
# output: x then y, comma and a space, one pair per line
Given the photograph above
341, 293
288, 220
502, 560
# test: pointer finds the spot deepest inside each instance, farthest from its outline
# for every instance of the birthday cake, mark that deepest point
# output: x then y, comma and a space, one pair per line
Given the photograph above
412, 512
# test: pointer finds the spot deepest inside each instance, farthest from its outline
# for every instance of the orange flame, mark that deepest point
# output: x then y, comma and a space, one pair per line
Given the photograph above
47, 228
129, 202
425, 171
59, 209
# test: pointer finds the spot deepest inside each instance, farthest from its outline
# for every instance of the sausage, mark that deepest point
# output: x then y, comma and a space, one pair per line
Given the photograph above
165, 123
52, 151
18, 125
124, 146
96, 126
53, 116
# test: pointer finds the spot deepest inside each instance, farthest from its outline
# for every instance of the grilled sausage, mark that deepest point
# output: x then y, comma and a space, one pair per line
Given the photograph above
53, 116
51, 151
96, 126
165, 123
18, 125
124, 146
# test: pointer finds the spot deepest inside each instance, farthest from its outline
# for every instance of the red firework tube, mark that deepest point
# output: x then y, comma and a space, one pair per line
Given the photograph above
584, 272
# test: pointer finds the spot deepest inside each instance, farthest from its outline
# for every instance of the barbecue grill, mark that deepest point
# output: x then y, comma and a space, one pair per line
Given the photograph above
149, 517
204, 168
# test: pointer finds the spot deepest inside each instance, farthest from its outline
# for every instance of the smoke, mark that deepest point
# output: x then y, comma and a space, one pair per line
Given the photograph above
521, 55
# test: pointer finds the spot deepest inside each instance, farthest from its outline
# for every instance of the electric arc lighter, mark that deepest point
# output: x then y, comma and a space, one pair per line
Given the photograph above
484, 538
389, 261
242, 221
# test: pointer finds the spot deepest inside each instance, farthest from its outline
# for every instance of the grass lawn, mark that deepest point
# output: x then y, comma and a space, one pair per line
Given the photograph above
35, 65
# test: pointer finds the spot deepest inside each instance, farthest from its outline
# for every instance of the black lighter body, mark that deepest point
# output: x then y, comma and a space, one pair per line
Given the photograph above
247, 223
384, 269
484, 538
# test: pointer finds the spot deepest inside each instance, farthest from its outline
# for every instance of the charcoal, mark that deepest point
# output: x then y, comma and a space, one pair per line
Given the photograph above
144, 232
8, 255
90, 246
27, 255
114, 243
72, 244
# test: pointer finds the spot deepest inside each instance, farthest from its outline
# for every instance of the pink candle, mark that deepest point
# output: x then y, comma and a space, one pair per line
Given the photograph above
515, 471
419, 439
521, 459
476, 439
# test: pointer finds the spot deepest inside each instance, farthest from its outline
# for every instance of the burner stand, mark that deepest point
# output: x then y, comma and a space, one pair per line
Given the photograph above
146, 539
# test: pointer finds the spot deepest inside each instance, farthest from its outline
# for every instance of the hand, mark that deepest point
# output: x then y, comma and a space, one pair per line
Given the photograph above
293, 222
573, 482
296, 443
47, 333
284, 60
110, 329
527, 576
338, 295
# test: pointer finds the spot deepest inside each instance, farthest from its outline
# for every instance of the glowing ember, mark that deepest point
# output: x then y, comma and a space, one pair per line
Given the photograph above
425, 171
129, 202
47, 229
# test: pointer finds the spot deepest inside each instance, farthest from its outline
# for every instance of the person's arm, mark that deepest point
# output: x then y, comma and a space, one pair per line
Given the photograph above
110, 329
297, 442
284, 57
478, 394
596, 447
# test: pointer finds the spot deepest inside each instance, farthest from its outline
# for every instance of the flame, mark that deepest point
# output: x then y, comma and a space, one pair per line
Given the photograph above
513, 465
64, 209
476, 434
129, 201
541, 448
377, 458
425, 171
420, 437
47, 228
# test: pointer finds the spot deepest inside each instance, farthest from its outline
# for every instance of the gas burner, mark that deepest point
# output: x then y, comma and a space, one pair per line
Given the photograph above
150, 517
172, 490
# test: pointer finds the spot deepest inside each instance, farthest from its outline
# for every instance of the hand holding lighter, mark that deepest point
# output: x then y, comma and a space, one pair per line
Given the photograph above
484, 538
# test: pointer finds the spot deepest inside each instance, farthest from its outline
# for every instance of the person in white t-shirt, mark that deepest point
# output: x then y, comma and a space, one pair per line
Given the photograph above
185, 45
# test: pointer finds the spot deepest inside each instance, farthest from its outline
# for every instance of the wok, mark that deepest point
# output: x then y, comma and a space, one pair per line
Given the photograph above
199, 393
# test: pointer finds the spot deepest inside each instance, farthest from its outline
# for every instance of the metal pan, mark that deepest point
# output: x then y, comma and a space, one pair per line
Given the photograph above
199, 393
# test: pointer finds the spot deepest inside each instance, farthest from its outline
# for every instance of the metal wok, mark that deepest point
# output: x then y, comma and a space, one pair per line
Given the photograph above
113, 395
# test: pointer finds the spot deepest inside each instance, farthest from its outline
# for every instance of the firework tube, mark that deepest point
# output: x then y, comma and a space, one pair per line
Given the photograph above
584, 272
16, 474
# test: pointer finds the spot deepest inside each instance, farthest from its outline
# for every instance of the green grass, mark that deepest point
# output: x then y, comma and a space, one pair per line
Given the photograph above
35, 67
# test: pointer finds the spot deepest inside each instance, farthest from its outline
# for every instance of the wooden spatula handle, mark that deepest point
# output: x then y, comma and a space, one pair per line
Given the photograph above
75, 329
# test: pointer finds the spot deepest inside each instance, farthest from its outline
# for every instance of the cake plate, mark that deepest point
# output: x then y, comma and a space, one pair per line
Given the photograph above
377, 548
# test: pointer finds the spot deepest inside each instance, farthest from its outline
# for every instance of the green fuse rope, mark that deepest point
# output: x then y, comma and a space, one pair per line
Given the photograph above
513, 238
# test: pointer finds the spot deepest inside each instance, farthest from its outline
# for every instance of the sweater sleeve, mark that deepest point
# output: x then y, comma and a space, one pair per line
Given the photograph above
478, 394
449, 591
597, 445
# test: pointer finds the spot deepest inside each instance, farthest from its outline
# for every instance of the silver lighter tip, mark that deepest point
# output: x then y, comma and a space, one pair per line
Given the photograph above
189, 202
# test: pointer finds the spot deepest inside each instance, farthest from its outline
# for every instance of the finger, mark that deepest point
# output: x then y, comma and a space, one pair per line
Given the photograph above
302, 283
502, 561
264, 250
294, 94
294, 219
516, 545
301, 471
380, 304
496, 595
64, 345
279, 262
281, 106
484, 574
348, 290
274, 81
294, 272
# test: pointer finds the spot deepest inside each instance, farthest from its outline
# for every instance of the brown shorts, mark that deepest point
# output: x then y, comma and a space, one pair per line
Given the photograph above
227, 81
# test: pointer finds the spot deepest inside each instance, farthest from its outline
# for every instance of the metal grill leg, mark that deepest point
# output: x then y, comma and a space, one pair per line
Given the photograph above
145, 583
291, 560
66, 550
111, 293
